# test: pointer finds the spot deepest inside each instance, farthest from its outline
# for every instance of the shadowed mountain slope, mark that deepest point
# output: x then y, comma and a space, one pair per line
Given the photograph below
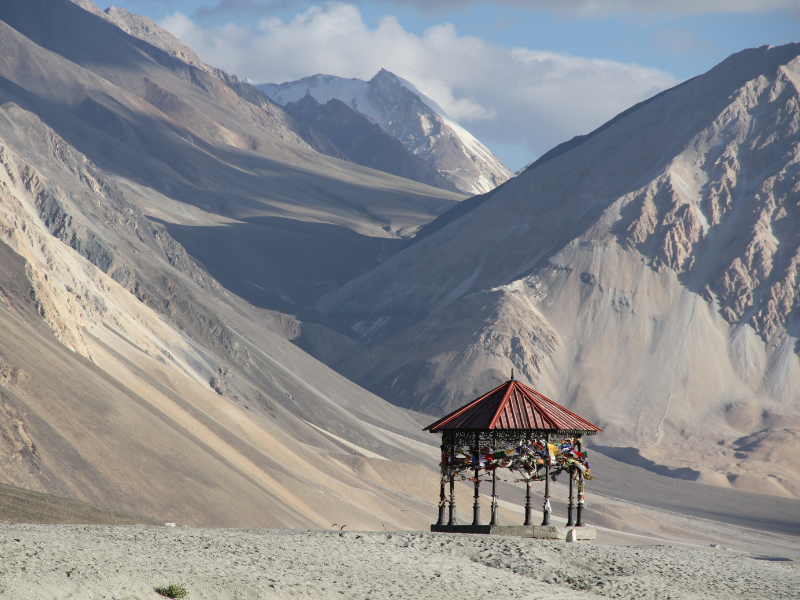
363, 141
195, 147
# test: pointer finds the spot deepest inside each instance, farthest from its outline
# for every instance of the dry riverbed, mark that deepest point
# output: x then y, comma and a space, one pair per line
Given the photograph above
94, 562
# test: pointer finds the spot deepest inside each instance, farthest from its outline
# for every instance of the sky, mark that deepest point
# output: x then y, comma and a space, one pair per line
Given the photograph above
520, 75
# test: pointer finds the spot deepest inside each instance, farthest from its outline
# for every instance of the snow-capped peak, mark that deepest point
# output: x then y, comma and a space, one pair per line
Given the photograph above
410, 116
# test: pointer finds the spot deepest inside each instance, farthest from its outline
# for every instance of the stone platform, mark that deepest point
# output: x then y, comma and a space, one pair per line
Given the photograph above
542, 532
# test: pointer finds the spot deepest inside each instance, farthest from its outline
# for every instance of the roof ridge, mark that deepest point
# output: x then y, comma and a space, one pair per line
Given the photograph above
503, 402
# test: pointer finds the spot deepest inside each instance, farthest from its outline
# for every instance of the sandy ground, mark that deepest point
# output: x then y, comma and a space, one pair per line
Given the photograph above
93, 562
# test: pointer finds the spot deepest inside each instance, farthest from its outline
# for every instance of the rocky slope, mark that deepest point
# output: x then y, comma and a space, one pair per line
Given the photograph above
130, 378
402, 111
646, 276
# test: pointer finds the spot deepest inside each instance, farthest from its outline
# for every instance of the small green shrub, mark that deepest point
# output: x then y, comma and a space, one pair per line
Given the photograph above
173, 590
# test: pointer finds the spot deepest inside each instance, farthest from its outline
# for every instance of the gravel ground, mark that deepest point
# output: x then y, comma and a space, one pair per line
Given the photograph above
94, 562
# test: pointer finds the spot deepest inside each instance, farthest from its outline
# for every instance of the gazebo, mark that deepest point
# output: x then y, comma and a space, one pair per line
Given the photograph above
514, 427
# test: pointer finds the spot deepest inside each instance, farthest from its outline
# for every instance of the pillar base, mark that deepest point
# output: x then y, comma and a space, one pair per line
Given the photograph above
542, 532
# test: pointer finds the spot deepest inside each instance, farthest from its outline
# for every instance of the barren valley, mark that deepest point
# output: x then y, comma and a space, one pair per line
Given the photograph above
211, 316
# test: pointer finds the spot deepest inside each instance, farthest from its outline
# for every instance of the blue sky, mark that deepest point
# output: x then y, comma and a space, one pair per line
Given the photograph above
522, 75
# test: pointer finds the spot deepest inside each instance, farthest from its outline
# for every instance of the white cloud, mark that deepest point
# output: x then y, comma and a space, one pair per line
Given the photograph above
578, 8
602, 8
506, 96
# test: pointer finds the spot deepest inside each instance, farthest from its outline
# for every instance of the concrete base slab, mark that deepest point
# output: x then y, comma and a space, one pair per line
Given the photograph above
575, 534
542, 532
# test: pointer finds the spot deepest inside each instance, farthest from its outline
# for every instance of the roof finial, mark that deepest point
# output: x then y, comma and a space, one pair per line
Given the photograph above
512, 374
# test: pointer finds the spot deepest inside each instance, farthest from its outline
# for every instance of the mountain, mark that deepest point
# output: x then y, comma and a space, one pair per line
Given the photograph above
165, 233
416, 121
645, 276
163, 229
219, 164
362, 141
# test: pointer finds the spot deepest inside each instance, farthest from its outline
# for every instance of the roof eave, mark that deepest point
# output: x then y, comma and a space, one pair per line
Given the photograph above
538, 430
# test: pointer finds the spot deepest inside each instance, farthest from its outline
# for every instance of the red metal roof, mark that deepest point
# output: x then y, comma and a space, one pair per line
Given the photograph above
514, 405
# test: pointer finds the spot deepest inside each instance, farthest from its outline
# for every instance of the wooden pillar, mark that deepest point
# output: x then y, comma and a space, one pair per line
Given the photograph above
579, 520
546, 507
445, 469
476, 507
494, 520
528, 506
452, 517
571, 505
